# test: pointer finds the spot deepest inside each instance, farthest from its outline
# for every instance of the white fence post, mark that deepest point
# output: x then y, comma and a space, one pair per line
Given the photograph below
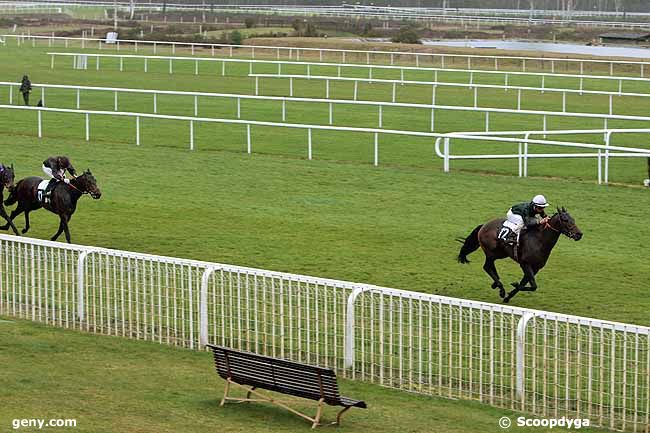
348, 349
203, 306
520, 357
81, 285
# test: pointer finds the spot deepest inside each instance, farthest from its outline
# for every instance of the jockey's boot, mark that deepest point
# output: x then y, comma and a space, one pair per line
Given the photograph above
49, 189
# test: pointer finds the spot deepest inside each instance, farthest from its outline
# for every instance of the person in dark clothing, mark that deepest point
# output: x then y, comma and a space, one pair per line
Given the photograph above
55, 167
26, 89
523, 215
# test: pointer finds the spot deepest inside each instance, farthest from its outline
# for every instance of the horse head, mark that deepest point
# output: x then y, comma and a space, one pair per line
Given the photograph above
563, 222
7, 176
87, 183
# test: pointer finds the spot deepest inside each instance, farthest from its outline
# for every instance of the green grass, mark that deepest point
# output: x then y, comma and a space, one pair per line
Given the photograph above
336, 216
110, 384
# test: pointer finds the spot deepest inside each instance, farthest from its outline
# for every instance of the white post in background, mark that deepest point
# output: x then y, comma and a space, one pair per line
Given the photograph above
377, 148
137, 131
248, 138
87, 127
191, 135
521, 351
78, 97
608, 137
446, 155
309, 153
40, 124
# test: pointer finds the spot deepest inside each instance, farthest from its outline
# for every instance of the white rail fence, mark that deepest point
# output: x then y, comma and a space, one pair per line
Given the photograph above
603, 151
435, 84
443, 148
468, 61
332, 103
527, 360
196, 61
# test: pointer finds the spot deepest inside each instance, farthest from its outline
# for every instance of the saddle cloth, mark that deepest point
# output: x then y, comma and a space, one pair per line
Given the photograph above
40, 192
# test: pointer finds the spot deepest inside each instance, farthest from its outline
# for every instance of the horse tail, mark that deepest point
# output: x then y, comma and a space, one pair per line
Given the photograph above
470, 244
13, 195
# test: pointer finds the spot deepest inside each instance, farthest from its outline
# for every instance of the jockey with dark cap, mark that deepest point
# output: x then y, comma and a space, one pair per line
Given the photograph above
55, 167
520, 215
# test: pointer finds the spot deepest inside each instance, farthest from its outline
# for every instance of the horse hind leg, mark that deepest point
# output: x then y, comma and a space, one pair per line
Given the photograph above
10, 223
491, 270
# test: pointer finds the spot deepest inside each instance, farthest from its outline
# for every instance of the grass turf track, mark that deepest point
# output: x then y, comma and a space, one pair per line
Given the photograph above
111, 385
336, 216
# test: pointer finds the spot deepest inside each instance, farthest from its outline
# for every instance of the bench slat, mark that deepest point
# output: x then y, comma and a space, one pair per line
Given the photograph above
280, 375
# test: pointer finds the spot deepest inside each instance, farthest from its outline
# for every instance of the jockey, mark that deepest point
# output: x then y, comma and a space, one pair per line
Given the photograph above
55, 167
520, 215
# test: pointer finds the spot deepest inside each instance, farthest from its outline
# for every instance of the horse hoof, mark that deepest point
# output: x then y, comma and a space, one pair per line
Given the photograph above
506, 300
23, 231
502, 293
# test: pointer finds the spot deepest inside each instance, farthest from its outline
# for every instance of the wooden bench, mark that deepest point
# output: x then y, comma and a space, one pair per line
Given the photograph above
246, 369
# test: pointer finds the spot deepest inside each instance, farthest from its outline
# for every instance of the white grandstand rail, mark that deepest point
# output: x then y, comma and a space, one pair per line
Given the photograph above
330, 102
340, 66
389, 325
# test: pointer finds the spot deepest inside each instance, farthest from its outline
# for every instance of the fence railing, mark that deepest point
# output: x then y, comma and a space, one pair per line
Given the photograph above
435, 84
527, 360
467, 61
603, 150
332, 103
523, 155
339, 66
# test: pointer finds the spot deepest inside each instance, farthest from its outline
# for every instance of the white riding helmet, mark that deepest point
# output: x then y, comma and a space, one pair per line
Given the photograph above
540, 200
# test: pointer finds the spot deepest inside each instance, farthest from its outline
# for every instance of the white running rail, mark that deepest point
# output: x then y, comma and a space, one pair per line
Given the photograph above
538, 362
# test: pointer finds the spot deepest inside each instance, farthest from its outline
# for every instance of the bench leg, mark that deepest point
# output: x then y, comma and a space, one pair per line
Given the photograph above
225, 394
319, 413
340, 414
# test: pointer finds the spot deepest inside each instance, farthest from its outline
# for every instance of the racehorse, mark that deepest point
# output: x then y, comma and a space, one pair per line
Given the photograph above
6, 181
63, 199
535, 246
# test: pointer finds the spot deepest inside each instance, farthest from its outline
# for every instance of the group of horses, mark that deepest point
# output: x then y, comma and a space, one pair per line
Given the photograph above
62, 201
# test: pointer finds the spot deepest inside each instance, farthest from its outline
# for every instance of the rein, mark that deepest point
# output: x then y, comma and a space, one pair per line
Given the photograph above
548, 225
82, 192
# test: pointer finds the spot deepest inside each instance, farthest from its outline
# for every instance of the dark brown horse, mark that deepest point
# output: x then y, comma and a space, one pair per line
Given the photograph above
6, 181
63, 200
535, 246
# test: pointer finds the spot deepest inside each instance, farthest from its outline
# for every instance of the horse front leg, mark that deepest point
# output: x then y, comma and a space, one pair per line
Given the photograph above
63, 228
491, 270
10, 223
529, 277
60, 230
26, 229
